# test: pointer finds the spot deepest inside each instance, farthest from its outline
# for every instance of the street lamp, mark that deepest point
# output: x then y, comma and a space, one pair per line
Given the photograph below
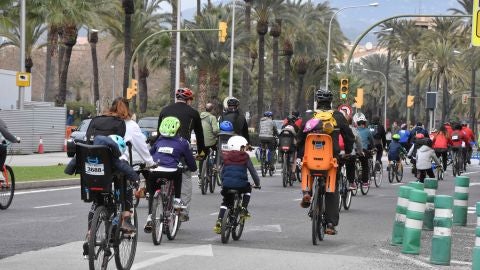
232, 40
385, 98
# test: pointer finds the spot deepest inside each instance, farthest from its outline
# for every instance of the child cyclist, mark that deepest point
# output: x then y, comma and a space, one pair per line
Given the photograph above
395, 149
234, 176
167, 152
424, 157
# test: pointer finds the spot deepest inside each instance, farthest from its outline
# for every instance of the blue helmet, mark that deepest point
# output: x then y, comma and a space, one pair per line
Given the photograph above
122, 146
268, 114
226, 126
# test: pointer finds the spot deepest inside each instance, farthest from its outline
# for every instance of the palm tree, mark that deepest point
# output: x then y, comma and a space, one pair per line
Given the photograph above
275, 32
129, 9
467, 6
246, 74
93, 39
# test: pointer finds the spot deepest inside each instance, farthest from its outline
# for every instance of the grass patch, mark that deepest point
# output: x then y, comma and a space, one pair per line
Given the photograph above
35, 173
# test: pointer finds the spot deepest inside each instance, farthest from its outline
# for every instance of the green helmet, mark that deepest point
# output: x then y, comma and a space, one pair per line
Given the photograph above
169, 126
396, 137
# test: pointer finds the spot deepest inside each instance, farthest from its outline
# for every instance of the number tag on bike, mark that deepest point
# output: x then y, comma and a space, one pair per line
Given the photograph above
94, 169
224, 147
455, 137
318, 145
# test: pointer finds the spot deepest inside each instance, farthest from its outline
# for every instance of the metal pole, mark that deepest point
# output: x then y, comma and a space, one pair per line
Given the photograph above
177, 63
232, 40
21, 89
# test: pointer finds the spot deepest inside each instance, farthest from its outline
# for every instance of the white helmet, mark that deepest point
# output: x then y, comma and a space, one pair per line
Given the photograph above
359, 117
289, 128
236, 143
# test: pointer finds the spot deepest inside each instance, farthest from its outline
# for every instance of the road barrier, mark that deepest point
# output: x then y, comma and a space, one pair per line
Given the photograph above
416, 185
431, 186
400, 215
442, 232
460, 203
476, 249
414, 222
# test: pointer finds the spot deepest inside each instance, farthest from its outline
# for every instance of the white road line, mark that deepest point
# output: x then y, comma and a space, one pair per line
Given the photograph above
451, 261
52, 205
45, 190
213, 214
397, 184
154, 261
415, 261
470, 173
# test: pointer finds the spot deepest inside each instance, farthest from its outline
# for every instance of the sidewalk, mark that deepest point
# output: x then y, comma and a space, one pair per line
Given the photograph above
46, 159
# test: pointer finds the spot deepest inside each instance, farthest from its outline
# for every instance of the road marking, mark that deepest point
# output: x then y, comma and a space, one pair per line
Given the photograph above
213, 214
45, 190
52, 205
200, 250
415, 261
470, 172
265, 228
397, 184
451, 261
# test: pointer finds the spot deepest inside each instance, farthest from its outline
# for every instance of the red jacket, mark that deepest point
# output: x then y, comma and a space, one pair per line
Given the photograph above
449, 130
458, 136
469, 134
440, 141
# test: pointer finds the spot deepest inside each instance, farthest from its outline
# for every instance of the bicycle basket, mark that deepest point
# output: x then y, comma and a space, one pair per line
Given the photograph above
285, 141
94, 163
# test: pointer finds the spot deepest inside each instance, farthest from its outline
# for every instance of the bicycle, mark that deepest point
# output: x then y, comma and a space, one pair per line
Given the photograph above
456, 162
96, 178
233, 222
209, 176
358, 176
395, 171
285, 143
266, 165
438, 170
377, 172
7, 187
142, 185
345, 192
165, 218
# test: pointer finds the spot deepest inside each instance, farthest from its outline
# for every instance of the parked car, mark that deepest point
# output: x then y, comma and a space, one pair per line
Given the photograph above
78, 135
148, 126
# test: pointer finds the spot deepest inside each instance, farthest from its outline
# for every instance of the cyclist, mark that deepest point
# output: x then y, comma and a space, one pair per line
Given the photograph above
379, 138
324, 105
424, 157
294, 118
210, 132
471, 139
404, 136
367, 144
168, 152
234, 116
440, 145
357, 151
291, 130
418, 129
412, 152
395, 149
458, 141
267, 134
234, 176
189, 120
3, 147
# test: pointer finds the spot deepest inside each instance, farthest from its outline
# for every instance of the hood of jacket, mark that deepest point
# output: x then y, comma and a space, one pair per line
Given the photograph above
235, 157
424, 148
205, 115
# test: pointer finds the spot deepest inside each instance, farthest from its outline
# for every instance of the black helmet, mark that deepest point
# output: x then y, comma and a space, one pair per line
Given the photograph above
233, 102
296, 114
323, 95
291, 119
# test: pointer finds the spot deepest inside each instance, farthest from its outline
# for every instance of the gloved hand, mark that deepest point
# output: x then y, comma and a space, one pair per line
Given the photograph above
151, 164
257, 187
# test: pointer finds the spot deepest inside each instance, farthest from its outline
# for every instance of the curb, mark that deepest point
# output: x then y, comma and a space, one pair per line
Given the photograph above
47, 183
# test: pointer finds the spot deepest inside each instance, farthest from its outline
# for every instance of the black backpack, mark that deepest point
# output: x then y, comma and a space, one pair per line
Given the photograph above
105, 125
374, 129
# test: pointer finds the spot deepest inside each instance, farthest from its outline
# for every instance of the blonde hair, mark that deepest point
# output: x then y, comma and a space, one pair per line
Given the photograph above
119, 109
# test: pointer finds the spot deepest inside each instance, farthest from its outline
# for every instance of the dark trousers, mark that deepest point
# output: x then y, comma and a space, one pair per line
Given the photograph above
3, 155
423, 173
365, 168
332, 214
379, 152
350, 168
229, 198
444, 154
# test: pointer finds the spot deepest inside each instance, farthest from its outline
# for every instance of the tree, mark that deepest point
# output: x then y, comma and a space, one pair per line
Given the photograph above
129, 9
93, 39
246, 79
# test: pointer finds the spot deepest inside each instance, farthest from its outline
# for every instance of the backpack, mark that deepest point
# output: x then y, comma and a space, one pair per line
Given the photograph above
328, 123
266, 127
375, 132
105, 125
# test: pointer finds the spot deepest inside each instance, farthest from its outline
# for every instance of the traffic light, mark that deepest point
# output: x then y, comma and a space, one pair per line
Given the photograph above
359, 98
222, 31
343, 88
464, 98
410, 101
133, 89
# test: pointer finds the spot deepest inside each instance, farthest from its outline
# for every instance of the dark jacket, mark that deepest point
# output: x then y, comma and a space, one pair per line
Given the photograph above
341, 128
394, 150
380, 137
189, 120
234, 173
6, 134
168, 152
417, 130
239, 122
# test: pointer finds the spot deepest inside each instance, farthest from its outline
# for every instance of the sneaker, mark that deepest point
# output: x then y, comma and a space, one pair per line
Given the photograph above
244, 213
366, 184
85, 250
388, 168
127, 226
184, 218
149, 225
330, 230
218, 226
353, 186
179, 204
305, 203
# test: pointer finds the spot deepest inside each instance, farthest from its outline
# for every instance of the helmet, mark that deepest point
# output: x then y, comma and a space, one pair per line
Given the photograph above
291, 118
184, 94
323, 95
169, 126
268, 114
419, 136
308, 112
311, 124
233, 102
403, 126
433, 131
296, 114
122, 146
226, 126
361, 118
464, 123
236, 143
289, 128
396, 137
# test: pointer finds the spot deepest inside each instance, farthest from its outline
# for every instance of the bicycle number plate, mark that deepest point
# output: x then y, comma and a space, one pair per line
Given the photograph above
454, 137
318, 145
224, 146
94, 169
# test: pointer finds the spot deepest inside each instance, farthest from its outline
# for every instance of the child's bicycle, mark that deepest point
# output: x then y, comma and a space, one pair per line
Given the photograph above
438, 170
233, 221
7, 187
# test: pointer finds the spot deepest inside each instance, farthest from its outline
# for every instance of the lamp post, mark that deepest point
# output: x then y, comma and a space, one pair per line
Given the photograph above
232, 40
21, 89
328, 42
385, 93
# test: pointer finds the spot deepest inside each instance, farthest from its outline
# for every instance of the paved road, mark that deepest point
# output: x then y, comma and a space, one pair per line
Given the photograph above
43, 229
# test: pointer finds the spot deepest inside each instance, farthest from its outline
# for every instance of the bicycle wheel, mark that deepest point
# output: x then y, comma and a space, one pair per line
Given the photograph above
314, 211
7, 189
218, 175
285, 175
157, 220
399, 173
237, 229
204, 178
365, 188
454, 164
97, 240
173, 221
226, 226
212, 176
321, 226
125, 251
378, 174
